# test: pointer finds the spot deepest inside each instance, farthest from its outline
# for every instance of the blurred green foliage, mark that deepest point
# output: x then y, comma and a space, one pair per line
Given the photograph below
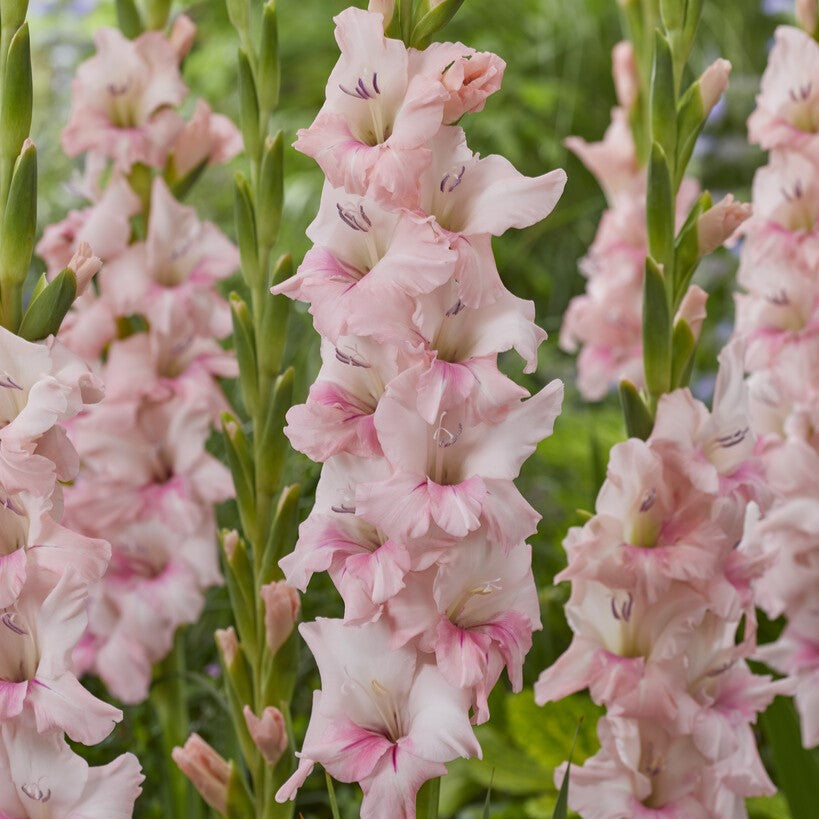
557, 83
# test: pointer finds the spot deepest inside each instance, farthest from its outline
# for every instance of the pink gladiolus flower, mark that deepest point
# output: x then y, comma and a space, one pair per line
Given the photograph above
369, 137
41, 778
123, 100
38, 632
207, 138
382, 718
787, 108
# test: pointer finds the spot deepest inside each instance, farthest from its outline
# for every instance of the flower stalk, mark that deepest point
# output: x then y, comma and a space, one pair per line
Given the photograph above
260, 673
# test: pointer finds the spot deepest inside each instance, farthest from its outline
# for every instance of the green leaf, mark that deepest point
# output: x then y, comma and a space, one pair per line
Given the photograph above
283, 532
269, 70
244, 342
683, 345
244, 215
20, 219
673, 13
639, 421
544, 731
157, 12
271, 190
128, 19
663, 97
797, 769
249, 107
239, 14
15, 114
46, 311
428, 799
434, 20
660, 207
656, 331
562, 805
768, 807
239, 802
487, 803
691, 118
271, 450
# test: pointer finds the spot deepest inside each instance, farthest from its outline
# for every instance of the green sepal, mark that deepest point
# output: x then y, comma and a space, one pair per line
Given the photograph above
20, 219
693, 13
157, 13
244, 215
269, 66
434, 19
17, 95
39, 286
239, 14
683, 345
249, 107
238, 674
673, 14
247, 746
663, 98
47, 309
242, 591
687, 250
239, 802
656, 331
129, 19
271, 450
13, 13
244, 342
584, 514
241, 467
562, 805
660, 207
279, 673
282, 536
405, 17
181, 186
639, 422
274, 318
691, 118
271, 190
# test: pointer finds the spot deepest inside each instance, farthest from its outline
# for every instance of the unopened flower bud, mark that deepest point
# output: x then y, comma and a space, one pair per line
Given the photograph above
719, 223
281, 609
268, 733
626, 78
692, 309
230, 542
182, 36
385, 7
85, 266
807, 15
206, 769
227, 643
713, 82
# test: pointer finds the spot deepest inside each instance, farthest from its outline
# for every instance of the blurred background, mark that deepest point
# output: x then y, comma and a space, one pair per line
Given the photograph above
557, 83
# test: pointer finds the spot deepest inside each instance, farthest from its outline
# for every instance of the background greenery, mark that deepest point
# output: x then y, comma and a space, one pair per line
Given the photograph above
557, 83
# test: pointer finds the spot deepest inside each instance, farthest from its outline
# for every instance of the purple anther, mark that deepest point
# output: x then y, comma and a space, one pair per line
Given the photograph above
7, 381
734, 438
648, 500
455, 309
343, 509
8, 620
614, 613
375, 84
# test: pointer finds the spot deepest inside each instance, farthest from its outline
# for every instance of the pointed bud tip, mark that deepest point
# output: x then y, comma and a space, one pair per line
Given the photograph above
713, 82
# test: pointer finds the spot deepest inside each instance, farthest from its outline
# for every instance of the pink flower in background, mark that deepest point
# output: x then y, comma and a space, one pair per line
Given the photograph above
208, 138
383, 718
123, 100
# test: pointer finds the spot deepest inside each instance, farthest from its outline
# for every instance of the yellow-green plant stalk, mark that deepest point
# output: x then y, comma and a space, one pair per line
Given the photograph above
259, 668
671, 119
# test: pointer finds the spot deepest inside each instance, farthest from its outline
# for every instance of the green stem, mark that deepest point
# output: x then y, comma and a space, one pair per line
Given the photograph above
170, 702
427, 801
